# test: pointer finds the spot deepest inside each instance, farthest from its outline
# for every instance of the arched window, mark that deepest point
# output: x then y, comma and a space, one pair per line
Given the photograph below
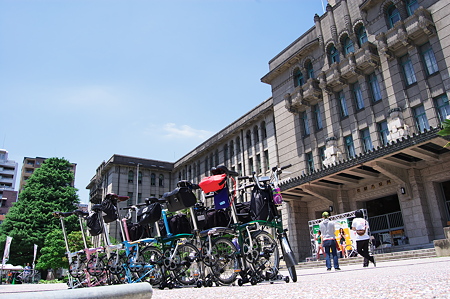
256, 134
153, 179
333, 54
298, 78
248, 137
393, 15
130, 176
161, 180
362, 35
263, 130
348, 46
309, 69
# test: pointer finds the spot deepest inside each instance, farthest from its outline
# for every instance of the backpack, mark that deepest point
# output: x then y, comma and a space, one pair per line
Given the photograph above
216, 218
261, 204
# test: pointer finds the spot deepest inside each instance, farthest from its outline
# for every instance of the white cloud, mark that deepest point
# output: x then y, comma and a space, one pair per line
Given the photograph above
172, 131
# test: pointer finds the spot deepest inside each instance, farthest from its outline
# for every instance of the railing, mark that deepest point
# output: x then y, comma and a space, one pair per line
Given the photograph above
386, 222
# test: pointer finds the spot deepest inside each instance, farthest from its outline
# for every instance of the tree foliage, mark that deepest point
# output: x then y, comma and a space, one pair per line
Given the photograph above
53, 254
445, 130
30, 219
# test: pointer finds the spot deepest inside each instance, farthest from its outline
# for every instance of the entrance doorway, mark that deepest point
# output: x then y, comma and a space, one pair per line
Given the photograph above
386, 221
446, 193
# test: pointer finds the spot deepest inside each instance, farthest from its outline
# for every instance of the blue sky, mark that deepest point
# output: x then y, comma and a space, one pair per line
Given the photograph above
86, 79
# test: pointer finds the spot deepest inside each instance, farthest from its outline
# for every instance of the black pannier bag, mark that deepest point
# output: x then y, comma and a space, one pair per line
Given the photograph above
180, 198
149, 214
93, 224
261, 204
243, 211
217, 218
109, 210
178, 224
137, 231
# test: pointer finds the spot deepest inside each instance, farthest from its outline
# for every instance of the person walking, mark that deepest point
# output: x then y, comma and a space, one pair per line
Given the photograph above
361, 227
327, 227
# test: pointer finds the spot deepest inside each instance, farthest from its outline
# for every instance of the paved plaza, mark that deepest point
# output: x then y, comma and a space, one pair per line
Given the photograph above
415, 278
425, 278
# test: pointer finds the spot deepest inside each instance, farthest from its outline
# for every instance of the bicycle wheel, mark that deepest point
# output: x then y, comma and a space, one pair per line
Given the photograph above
96, 266
268, 261
152, 258
224, 253
76, 268
289, 258
187, 269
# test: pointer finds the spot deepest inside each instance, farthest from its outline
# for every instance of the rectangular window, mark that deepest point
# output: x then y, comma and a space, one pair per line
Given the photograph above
350, 147
429, 60
258, 163
374, 87
251, 166
306, 130
322, 153
442, 107
318, 117
408, 70
359, 101
266, 159
309, 162
384, 132
421, 118
342, 104
240, 169
367, 142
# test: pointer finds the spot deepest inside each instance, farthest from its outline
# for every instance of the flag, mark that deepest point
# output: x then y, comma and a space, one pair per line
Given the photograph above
35, 253
6, 252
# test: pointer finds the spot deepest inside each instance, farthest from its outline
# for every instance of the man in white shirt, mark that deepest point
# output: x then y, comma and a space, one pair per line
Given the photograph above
361, 227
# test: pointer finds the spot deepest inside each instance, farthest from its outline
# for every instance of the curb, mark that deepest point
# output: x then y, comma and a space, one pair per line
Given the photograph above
134, 290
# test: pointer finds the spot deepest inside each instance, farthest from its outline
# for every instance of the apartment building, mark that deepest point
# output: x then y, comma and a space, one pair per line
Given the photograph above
8, 174
31, 164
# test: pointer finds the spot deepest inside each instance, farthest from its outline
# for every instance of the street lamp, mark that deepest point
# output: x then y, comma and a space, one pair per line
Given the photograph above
137, 187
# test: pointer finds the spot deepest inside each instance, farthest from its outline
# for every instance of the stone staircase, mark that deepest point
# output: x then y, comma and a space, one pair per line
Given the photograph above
388, 254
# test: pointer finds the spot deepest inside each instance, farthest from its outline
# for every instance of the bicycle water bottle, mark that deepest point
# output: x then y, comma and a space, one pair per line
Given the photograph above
277, 198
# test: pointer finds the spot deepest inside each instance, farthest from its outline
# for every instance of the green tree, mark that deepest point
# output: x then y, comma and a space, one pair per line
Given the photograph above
53, 254
445, 130
30, 219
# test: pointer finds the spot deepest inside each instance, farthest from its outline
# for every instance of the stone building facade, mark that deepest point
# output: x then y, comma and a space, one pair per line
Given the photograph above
357, 102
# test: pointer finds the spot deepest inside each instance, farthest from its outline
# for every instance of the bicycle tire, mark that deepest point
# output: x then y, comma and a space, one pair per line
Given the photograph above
77, 267
187, 269
152, 257
224, 253
289, 257
96, 266
267, 264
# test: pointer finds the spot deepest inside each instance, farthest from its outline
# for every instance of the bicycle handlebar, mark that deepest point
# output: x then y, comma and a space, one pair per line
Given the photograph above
285, 167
